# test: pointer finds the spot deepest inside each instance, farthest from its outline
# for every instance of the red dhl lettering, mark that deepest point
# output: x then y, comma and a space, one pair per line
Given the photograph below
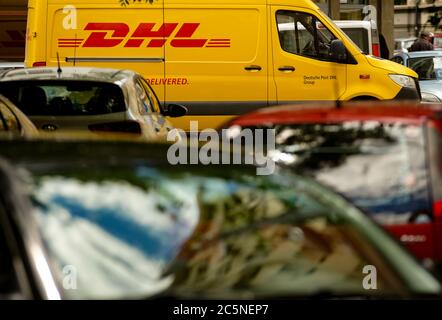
168, 81
109, 35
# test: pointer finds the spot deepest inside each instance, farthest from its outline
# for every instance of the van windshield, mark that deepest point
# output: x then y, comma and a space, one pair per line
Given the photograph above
359, 37
342, 34
64, 98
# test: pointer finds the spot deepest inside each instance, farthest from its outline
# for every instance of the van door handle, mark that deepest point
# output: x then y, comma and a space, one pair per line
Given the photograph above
253, 68
287, 69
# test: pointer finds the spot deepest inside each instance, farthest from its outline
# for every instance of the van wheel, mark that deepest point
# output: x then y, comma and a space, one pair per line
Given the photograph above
364, 98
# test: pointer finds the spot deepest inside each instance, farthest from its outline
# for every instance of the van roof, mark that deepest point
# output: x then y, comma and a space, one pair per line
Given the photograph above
297, 3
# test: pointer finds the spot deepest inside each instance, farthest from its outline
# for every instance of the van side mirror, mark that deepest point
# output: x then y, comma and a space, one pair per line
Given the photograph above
338, 52
175, 111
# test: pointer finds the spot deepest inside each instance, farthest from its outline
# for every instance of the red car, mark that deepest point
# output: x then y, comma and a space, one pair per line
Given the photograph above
386, 159
437, 41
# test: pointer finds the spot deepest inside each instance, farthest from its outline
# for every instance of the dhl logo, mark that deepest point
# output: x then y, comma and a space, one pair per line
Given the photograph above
16, 39
108, 35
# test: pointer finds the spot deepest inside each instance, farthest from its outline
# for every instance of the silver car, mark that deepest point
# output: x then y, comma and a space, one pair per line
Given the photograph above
88, 99
428, 65
11, 65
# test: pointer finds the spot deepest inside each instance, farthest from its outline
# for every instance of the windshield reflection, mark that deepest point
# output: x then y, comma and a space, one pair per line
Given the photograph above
379, 166
117, 235
135, 233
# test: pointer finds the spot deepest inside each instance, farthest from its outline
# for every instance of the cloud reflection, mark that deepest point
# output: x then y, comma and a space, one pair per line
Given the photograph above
118, 236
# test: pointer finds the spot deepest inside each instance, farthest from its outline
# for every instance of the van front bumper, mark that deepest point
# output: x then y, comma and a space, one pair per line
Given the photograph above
410, 93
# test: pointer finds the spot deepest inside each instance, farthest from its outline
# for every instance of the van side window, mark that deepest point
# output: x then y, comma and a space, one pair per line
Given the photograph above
303, 34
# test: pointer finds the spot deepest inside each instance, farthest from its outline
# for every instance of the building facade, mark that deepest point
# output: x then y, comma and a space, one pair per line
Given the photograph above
380, 11
413, 16
395, 18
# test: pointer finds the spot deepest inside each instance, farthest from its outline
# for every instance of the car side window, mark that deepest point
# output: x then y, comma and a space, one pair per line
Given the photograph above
303, 34
398, 60
144, 105
151, 95
8, 121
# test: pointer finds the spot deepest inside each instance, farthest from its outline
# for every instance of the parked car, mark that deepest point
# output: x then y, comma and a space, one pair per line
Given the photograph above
401, 45
88, 99
12, 120
91, 226
428, 65
385, 158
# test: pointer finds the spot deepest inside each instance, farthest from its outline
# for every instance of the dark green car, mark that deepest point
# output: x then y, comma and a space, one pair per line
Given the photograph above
114, 220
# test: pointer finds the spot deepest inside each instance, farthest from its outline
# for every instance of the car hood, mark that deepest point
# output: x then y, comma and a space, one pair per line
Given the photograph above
432, 86
205, 230
390, 66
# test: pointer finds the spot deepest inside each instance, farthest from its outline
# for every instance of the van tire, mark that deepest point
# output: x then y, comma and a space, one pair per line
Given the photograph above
364, 98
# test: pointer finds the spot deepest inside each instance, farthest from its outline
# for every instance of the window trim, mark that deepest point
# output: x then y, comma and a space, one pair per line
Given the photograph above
25, 242
3, 120
155, 97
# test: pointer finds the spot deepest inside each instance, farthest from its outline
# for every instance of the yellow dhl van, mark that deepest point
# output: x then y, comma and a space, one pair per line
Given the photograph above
13, 14
220, 58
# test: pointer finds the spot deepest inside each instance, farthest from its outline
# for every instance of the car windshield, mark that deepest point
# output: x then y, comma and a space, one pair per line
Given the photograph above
386, 163
428, 68
64, 98
140, 231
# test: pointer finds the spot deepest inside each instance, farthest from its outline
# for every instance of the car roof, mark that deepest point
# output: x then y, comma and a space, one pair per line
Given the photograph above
355, 23
11, 64
68, 73
423, 54
328, 112
405, 39
110, 149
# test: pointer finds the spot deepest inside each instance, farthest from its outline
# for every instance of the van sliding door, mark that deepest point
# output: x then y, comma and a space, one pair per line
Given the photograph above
216, 61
